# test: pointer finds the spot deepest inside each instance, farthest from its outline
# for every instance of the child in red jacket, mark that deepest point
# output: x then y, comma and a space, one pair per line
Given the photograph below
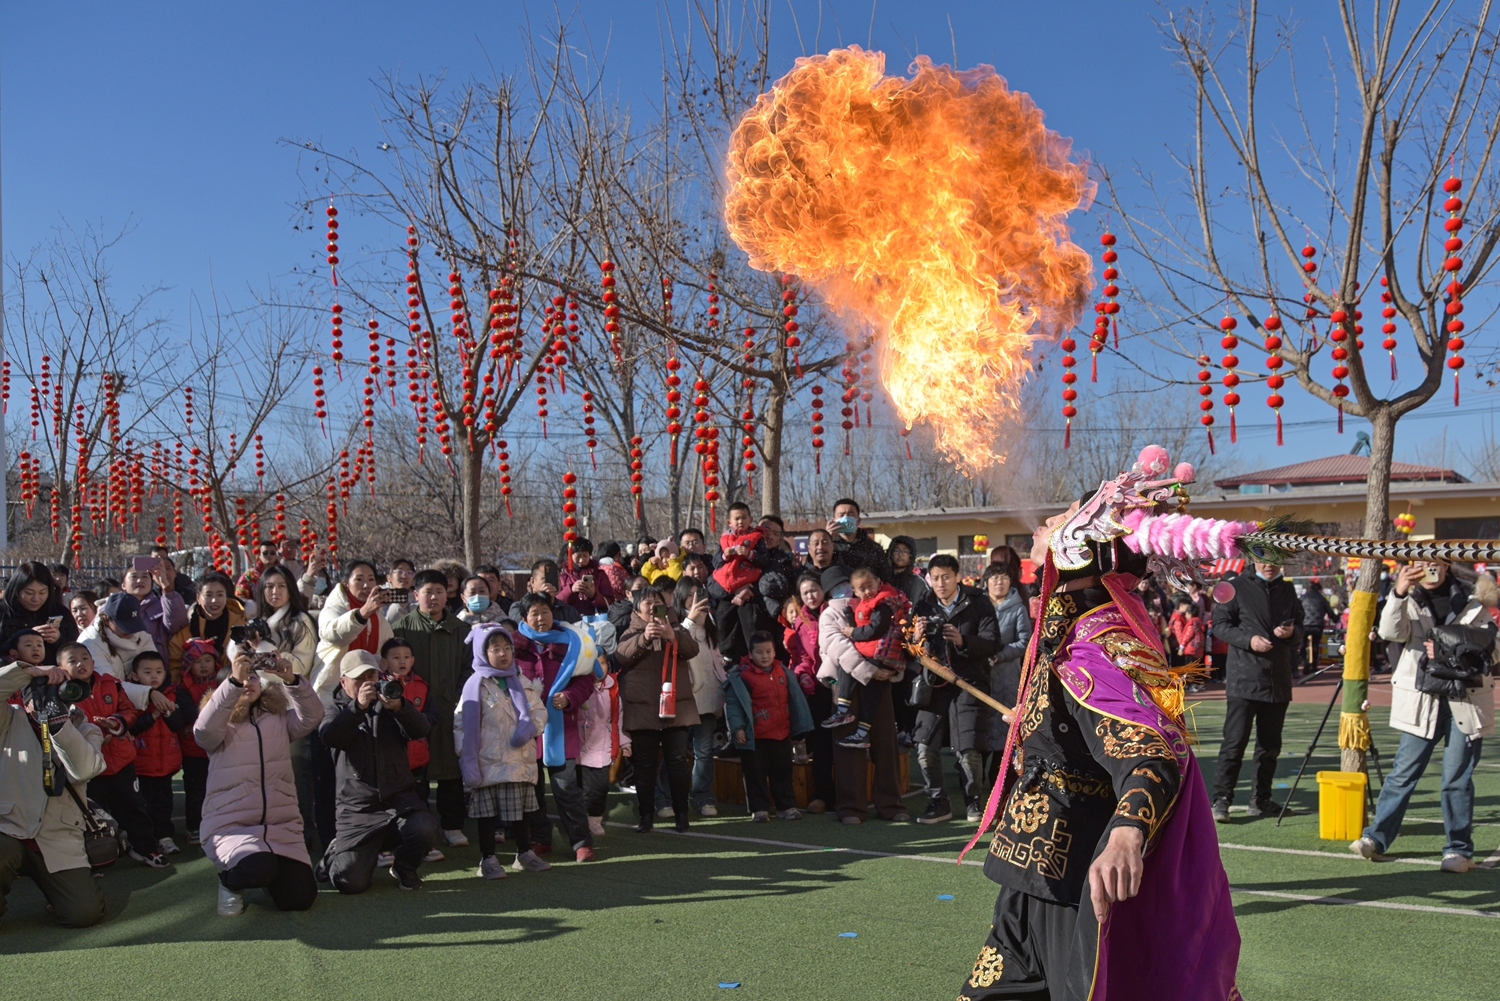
879, 611
200, 676
116, 788
158, 753
742, 550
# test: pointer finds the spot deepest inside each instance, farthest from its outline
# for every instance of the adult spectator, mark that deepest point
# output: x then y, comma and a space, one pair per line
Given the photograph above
691, 540
902, 552
1007, 557
852, 547
664, 561
779, 556
292, 631
454, 573
620, 612
691, 607
819, 550
806, 659
739, 616
585, 586
84, 608
444, 661
1259, 624
398, 581
32, 601
41, 822
182, 583
651, 650
252, 827
478, 607
851, 780
499, 586
1013, 622
696, 566
613, 565
546, 578
162, 608
378, 804
214, 611
1428, 709
117, 636
266, 557
62, 576
960, 630
1316, 614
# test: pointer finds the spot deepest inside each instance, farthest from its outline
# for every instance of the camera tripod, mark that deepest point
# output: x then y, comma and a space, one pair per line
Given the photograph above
1374, 757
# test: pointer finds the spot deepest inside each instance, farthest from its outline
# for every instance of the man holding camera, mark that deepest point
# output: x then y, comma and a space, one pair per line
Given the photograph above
44, 766
1259, 623
378, 805
1439, 691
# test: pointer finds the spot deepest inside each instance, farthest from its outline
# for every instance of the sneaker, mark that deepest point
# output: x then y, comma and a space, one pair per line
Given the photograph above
155, 860
628, 790
937, 811
596, 826
537, 848
817, 806
530, 862
851, 820
491, 868
665, 812
1454, 862
1367, 848
385, 860
455, 839
406, 880
973, 813
900, 817
1221, 811
792, 814
708, 810
838, 719
760, 817
169, 847
1264, 808
854, 740
434, 856
584, 854
193, 838
230, 903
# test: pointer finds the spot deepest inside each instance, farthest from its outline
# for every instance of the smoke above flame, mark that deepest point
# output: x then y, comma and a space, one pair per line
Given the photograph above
929, 211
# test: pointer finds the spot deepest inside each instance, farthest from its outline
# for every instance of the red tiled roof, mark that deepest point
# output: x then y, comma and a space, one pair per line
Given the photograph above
1338, 469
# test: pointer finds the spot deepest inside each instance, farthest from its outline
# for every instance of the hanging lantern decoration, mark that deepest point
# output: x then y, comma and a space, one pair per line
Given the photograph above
177, 522
187, 409
1388, 327
1406, 523
570, 511
711, 478
505, 488
36, 411
241, 523
906, 440
333, 522
1111, 288
1069, 394
1454, 307
23, 467
588, 427
850, 394
1097, 340
817, 428
372, 380
559, 340
611, 300
866, 387
1206, 404
137, 481
980, 543
789, 322
333, 244
337, 353
260, 463
5, 386
161, 531
280, 517
1231, 379
674, 397
1274, 361
55, 506
636, 476
320, 402
747, 415
713, 304
305, 539
1339, 335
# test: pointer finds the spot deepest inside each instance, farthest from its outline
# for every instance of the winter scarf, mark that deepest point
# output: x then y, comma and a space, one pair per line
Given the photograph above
553, 752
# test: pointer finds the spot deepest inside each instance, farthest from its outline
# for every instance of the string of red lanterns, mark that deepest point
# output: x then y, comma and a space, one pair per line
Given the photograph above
1069, 394
636, 476
1231, 379
611, 302
674, 394
333, 244
1388, 327
1274, 361
570, 511
588, 427
505, 481
747, 415
1451, 264
1207, 403
789, 322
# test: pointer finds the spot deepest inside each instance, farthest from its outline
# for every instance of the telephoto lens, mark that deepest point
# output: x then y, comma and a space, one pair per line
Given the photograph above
391, 688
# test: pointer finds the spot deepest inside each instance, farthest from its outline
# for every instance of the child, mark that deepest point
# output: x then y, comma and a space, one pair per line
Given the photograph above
498, 718
1190, 633
158, 752
742, 550
200, 676
28, 647
879, 609
765, 710
601, 741
397, 661
115, 789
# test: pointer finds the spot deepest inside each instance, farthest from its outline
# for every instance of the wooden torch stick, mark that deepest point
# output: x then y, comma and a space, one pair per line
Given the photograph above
947, 674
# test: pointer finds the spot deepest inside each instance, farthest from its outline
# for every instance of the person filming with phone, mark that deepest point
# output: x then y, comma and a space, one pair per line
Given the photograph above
1260, 624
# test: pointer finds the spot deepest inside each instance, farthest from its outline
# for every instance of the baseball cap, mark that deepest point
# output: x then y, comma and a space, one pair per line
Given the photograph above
124, 610
357, 662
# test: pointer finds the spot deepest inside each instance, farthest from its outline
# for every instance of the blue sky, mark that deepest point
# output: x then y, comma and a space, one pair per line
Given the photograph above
171, 116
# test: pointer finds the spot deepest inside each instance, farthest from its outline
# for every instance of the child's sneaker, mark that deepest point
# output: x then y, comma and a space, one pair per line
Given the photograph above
792, 814
838, 719
155, 860
491, 868
385, 860
193, 838
708, 810
584, 854
665, 812
529, 861
169, 847
455, 839
855, 740
760, 817
406, 880
230, 903
596, 826
433, 856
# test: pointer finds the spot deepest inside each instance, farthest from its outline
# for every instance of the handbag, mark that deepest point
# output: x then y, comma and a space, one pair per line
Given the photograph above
919, 696
101, 840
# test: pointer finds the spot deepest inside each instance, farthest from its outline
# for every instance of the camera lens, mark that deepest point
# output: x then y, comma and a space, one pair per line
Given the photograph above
72, 690
391, 688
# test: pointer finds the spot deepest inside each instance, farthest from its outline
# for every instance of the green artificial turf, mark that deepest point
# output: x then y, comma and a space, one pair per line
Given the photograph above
663, 916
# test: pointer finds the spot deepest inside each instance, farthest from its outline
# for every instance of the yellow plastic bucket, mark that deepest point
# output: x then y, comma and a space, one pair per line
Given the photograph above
1341, 805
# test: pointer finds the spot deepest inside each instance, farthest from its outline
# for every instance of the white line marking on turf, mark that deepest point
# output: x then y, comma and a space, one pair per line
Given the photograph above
1382, 904
809, 848
1339, 855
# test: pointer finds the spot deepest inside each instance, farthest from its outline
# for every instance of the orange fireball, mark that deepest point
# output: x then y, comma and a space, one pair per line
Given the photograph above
928, 211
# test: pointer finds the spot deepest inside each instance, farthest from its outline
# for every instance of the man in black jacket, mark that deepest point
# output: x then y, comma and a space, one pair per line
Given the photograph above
961, 631
852, 547
377, 803
1316, 612
1259, 623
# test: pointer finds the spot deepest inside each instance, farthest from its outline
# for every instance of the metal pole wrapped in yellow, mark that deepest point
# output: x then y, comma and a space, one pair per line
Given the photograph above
1354, 720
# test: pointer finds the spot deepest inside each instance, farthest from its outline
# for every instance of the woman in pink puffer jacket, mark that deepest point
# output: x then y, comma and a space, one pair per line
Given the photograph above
252, 828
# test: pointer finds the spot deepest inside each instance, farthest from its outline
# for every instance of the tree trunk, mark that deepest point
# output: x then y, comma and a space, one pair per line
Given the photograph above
770, 449
471, 468
674, 488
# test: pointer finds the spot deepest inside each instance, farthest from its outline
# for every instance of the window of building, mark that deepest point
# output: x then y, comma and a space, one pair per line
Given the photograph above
926, 547
1467, 528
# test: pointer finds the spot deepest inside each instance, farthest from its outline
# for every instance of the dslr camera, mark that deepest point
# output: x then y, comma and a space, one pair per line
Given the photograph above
51, 704
390, 688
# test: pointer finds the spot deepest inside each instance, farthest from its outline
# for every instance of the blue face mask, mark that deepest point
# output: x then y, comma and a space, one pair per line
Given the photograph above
476, 603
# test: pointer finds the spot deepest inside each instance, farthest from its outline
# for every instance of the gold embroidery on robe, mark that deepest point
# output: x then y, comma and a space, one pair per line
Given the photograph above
1029, 809
987, 968
1128, 740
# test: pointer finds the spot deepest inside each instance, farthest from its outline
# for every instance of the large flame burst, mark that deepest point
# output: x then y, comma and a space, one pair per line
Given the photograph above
929, 211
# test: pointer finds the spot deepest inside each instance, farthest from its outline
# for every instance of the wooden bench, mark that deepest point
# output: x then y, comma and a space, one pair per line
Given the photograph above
729, 780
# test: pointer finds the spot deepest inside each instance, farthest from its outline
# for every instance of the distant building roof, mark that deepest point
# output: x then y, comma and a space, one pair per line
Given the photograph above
1337, 469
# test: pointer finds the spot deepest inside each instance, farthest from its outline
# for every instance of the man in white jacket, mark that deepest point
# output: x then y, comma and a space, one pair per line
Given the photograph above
1422, 598
41, 835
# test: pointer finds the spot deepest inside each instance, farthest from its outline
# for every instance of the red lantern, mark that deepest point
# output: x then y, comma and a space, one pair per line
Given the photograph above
1454, 326
337, 353
789, 322
505, 488
570, 510
1231, 379
1274, 361
1111, 290
611, 300
1206, 404
333, 244
817, 428
588, 427
1069, 394
636, 476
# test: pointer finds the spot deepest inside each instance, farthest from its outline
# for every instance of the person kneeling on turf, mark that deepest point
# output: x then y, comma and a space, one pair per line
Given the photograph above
377, 803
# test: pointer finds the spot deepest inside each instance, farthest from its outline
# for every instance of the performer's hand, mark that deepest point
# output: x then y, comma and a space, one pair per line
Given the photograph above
1116, 873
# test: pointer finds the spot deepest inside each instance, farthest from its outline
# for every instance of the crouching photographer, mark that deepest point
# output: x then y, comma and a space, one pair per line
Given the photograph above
378, 806
46, 760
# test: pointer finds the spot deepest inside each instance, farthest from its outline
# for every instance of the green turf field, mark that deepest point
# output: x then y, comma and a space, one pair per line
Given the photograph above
666, 916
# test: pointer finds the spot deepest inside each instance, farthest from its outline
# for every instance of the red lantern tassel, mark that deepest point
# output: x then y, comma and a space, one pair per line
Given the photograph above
846, 445
1094, 367
1115, 325
1233, 432
509, 515
637, 506
544, 429
1393, 366
592, 460
1278, 427
1455, 388
818, 462
1341, 418
1067, 432
908, 448
713, 511
1210, 443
